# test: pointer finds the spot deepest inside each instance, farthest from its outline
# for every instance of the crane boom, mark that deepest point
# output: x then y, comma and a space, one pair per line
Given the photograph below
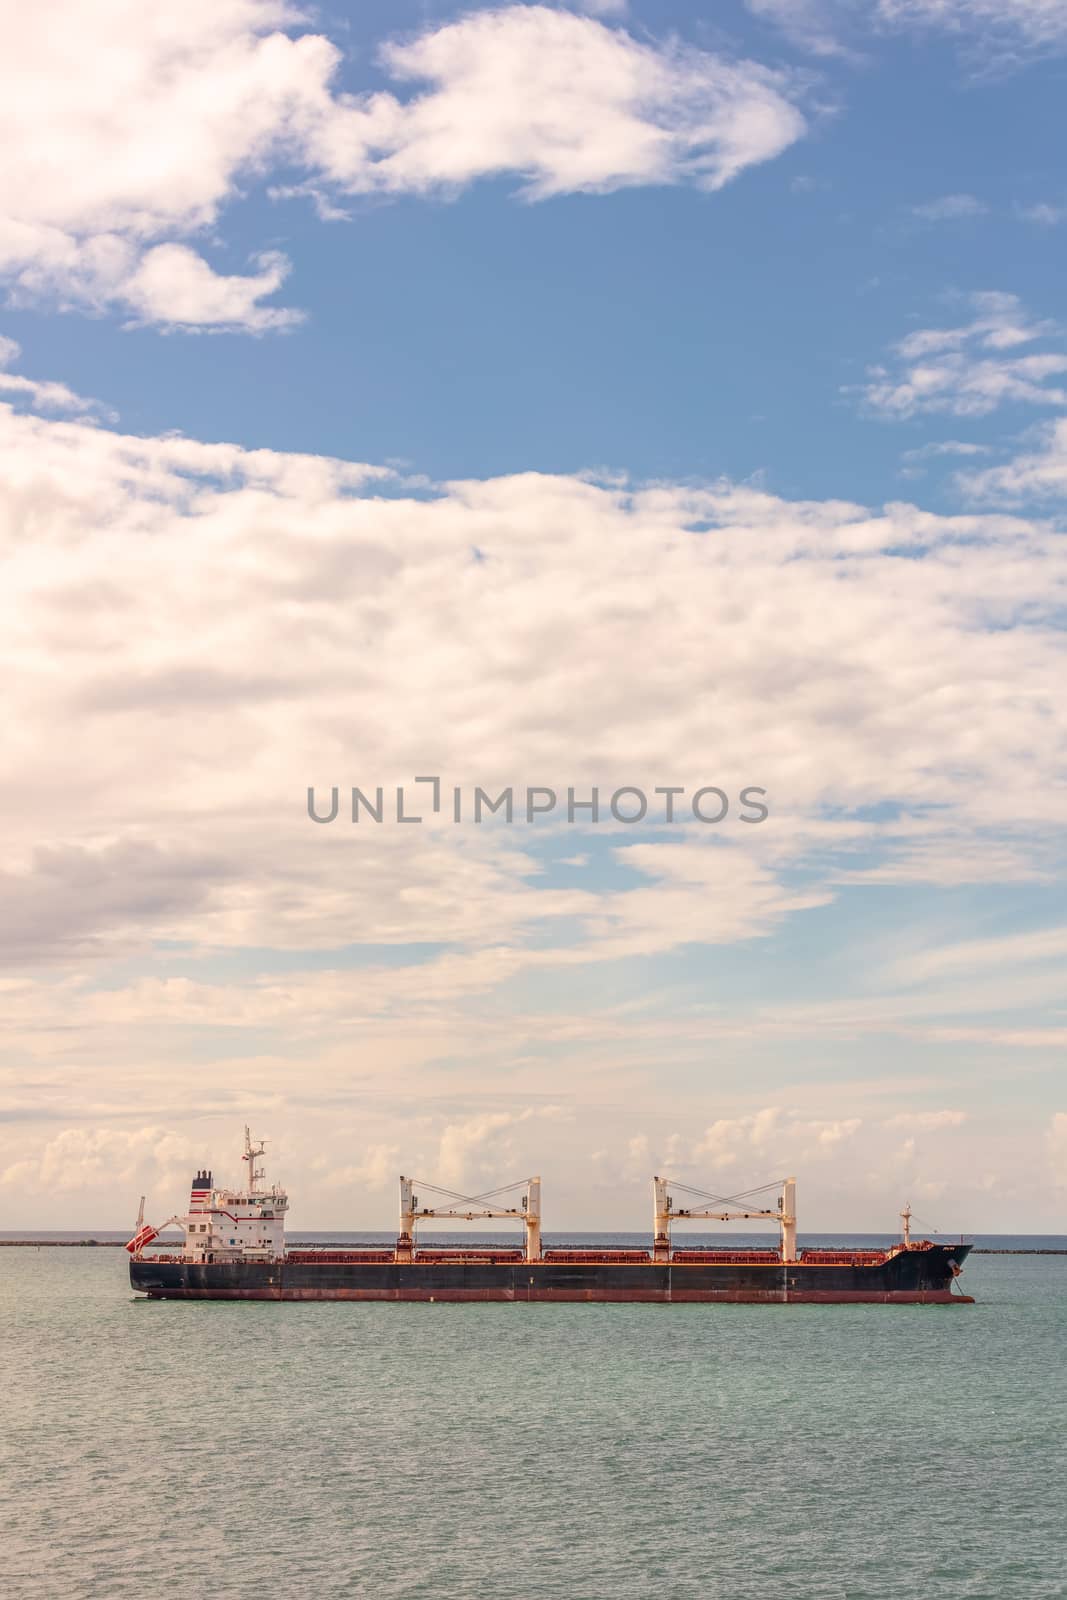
665, 1211
411, 1213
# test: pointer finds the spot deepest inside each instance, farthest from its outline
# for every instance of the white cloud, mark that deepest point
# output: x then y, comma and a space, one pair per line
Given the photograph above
991, 34
604, 8
950, 208
1038, 473
912, 460
103, 1158
1025, 24
194, 632
482, 1146
172, 284
860, 1157
43, 396
812, 25
562, 101
927, 1121
965, 371
752, 1138
125, 126
378, 1170
91, 1176
1044, 213
1000, 323
128, 132
945, 447
975, 955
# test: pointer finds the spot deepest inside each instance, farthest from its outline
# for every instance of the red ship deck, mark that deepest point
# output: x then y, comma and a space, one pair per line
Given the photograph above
458, 1255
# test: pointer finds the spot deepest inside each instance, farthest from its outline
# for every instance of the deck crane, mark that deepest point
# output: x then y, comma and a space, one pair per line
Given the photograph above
718, 1209
470, 1208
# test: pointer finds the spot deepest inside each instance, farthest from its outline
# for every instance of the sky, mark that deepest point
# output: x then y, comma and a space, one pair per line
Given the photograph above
538, 398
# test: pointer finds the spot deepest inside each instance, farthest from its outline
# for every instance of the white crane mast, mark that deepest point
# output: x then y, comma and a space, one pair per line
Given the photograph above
469, 1208
664, 1211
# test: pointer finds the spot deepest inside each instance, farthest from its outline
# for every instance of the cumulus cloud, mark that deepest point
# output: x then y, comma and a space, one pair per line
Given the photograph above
194, 632
125, 128
828, 1154
172, 284
761, 1145
971, 369
250, 622
377, 1170
98, 1158
562, 101
92, 1175
728, 1141
128, 133
483, 1145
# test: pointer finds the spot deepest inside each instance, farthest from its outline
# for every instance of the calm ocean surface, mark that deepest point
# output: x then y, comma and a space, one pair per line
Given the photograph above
787, 1453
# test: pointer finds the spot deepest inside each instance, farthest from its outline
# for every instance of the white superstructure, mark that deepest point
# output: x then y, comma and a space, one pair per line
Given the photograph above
243, 1224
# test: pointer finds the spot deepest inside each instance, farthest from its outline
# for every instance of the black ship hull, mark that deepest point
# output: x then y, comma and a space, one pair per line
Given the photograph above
923, 1276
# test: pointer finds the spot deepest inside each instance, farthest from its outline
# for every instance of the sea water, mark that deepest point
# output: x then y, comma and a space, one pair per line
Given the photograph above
212, 1450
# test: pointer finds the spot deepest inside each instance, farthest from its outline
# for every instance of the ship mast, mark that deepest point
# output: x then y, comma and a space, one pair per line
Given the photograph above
251, 1155
905, 1217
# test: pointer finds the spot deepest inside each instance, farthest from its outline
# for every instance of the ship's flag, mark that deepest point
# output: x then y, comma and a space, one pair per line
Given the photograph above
142, 1237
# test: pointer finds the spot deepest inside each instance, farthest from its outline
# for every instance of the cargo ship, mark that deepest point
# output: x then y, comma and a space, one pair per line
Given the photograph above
234, 1249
